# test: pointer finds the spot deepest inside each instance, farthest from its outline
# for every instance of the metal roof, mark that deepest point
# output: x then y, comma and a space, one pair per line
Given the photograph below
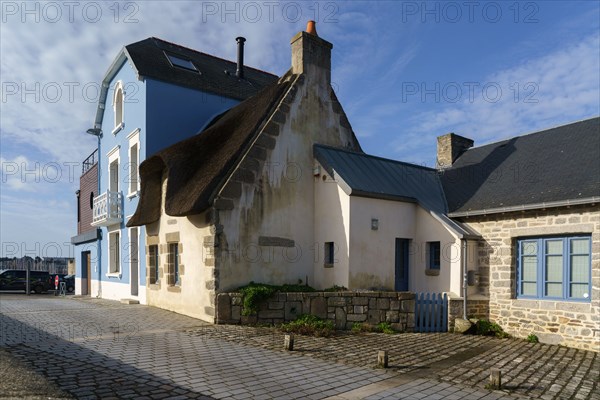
363, 175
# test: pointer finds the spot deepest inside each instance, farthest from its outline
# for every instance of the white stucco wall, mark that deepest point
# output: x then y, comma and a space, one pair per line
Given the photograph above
331, 224
429, 229
281, 203
373, 252
191, 297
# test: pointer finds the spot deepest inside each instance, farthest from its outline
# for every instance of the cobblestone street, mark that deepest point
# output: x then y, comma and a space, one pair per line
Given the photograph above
88, 348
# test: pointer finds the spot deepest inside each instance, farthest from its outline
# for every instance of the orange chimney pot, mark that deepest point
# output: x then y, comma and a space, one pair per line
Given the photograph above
311, 28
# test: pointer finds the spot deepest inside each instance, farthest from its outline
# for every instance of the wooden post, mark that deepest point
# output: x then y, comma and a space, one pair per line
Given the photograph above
288, 342
495, 378
382, 359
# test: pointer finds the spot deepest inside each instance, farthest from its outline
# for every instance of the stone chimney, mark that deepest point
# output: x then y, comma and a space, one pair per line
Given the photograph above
449, 148
311, 55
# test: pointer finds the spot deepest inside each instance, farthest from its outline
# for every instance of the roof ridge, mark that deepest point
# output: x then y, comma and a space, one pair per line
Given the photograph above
208, 55
375, 157
544, 130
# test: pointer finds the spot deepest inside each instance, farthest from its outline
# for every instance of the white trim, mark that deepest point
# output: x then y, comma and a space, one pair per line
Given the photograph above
133, 133
112, 151
118, 88
137, 228
118, 128
118, 273
114, 156
134, 140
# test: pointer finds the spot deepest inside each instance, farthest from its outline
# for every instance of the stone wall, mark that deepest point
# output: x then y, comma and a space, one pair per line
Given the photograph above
573, 324
475, 309
343, 308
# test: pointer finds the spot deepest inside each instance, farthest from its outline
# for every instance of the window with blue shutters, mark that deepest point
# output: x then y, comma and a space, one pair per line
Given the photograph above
554, 268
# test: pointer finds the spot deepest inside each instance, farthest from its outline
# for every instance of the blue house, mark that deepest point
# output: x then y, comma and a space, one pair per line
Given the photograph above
154, 94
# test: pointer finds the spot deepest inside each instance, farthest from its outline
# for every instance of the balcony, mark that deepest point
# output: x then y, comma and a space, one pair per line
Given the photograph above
108, 209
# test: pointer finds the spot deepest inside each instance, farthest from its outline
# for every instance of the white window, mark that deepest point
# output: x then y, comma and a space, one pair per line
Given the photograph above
113, 169
114, 253
118, 101
133, 164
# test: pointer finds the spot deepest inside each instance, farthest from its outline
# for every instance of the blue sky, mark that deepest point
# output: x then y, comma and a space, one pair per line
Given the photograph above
405, 72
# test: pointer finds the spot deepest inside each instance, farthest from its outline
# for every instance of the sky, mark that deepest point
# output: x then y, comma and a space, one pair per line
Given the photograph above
404, 71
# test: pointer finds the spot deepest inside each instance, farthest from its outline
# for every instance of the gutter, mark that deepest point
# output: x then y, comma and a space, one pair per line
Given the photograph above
526, 207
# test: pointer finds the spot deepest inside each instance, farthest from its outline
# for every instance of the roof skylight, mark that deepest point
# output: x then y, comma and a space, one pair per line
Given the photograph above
182, 63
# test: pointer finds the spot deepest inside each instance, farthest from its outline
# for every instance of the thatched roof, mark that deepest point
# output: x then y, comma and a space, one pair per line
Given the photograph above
196, 167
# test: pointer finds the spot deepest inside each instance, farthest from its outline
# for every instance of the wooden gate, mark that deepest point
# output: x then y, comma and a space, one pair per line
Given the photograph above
431, 312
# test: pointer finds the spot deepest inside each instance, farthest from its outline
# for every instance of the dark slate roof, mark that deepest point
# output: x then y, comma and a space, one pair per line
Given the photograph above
555, 165
363, 175
196, 167
150, 60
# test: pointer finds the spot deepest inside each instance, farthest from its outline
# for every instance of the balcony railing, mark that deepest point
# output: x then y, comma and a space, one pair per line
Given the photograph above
108, 209
89, 162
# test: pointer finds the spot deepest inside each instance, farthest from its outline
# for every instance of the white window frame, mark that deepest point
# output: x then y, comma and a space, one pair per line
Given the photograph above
110, 273
118, 125
134, 139
113, 155
130, 237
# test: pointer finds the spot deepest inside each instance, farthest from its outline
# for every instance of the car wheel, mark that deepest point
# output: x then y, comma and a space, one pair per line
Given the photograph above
70, 289
38, 289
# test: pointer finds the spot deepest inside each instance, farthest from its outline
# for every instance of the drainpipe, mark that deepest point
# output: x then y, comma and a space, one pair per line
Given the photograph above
99, 250
463, 245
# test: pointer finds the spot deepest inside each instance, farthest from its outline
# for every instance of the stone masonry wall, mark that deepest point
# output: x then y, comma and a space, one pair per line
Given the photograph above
343, 308
569, 323
475, 309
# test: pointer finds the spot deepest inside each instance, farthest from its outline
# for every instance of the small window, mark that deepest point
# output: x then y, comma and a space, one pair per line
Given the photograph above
329, 253
118, 105
433, 255
554, 268
92, 201
154, 263
174, 262
182, 63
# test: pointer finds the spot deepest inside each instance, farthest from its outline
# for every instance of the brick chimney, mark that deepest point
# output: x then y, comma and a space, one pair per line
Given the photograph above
311, 55
449, 148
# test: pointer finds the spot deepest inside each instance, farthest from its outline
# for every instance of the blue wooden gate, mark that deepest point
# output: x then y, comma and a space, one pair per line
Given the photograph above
431, 312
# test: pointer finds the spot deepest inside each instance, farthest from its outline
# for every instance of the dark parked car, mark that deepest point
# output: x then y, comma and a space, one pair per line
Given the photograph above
13, 279
70, 281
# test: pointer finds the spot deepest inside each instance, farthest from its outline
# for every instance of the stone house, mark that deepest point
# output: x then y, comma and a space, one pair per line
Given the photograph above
534, 201
278, 190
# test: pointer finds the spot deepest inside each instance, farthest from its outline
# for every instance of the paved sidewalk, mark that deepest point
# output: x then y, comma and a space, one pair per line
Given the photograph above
535, 371
102, 349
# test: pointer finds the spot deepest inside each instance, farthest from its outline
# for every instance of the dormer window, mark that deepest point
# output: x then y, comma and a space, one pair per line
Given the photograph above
181, 63
118, 106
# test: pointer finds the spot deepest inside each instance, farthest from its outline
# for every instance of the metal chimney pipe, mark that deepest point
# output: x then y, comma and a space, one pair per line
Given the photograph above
240, 57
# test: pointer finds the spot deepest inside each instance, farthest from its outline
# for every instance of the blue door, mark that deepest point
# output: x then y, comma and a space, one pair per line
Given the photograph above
401, 281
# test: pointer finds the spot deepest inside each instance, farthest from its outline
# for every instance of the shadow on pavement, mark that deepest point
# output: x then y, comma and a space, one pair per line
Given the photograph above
79, 370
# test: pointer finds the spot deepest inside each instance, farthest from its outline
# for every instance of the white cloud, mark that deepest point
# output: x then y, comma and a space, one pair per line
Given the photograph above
554, 89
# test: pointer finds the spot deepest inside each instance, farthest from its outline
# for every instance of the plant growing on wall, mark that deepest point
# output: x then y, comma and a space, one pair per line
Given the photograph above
255, 293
